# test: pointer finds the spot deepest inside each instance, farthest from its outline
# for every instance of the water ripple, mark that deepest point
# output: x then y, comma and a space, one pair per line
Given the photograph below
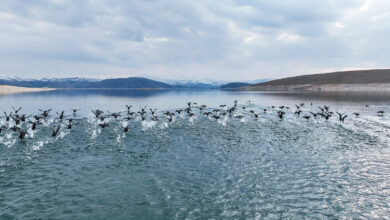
200, 168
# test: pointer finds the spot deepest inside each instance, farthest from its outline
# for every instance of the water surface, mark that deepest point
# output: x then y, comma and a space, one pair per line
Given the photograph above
198, 168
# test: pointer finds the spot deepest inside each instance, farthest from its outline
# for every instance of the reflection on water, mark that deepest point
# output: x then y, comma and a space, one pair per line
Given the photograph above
198, 167
336, 96
132, 93
116, 99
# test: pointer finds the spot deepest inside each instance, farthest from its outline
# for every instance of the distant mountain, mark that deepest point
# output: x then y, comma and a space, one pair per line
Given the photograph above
131, 82
182, 83
344, 77
259, 80
190, 84
194, 85
233, 85
49, 83
357, 80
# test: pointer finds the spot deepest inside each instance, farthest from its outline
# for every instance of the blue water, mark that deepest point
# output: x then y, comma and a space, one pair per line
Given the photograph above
197, 167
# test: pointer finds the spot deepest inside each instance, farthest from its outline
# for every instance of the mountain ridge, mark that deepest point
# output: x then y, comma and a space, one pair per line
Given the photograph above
234, 85
339, 77
129, 82
354, 80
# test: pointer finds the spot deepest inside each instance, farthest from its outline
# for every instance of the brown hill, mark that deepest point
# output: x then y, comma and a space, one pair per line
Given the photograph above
377, 80
345, 77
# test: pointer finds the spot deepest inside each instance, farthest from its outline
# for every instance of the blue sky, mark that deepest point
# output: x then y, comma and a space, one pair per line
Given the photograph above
198, 40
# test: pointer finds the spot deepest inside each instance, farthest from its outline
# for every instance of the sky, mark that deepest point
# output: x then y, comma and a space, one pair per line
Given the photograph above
191, 40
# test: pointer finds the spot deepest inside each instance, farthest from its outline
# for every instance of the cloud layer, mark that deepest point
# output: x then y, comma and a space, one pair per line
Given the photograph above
232, 40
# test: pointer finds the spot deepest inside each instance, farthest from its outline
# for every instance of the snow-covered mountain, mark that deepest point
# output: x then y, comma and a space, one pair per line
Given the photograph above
199, 84
73, 79
209, 83
47, 82
189, 84
259, 80
131, 82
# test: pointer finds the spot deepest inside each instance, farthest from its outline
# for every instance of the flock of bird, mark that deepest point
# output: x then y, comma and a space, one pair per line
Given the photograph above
21, 124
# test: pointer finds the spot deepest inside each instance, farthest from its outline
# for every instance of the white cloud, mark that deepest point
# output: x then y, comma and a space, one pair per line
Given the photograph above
233, 40
286, 37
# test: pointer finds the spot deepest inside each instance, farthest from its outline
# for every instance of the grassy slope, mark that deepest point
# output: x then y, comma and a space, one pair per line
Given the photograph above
346, 77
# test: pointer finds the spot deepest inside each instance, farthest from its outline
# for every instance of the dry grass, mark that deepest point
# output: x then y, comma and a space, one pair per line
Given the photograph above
347, 77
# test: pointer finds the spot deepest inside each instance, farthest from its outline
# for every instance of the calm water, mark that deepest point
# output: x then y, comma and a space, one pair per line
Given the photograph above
197, 168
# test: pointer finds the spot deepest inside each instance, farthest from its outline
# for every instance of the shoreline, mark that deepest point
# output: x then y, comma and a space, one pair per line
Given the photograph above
5, 89
350, 88
369, 87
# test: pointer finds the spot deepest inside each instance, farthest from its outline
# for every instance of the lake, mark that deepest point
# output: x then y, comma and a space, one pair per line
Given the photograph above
197, 167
